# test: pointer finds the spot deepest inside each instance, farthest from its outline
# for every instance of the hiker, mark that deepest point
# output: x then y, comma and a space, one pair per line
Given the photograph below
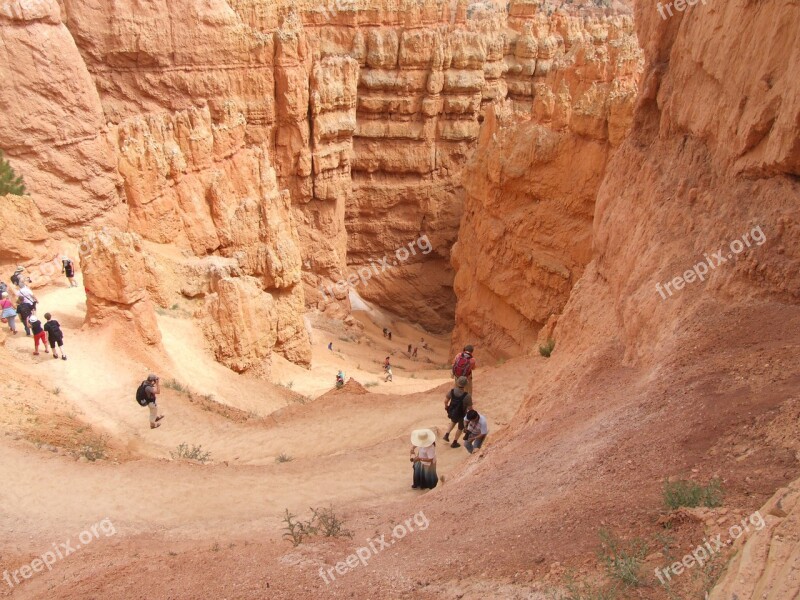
54, 335
409, 349
414, 354
16, 278
476, 430
464, 365
457, 403
330, 346
148, 393
387, 368
340, 379
389, 335
423, 458
385, 332
68, 269
38, 334
3, 287
26, 294
24, 310
9, 313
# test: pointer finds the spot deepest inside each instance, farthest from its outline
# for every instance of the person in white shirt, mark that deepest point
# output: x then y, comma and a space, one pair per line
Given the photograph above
475, 430
423, 458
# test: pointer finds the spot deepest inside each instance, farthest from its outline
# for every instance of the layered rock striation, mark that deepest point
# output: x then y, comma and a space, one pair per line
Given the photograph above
302, 140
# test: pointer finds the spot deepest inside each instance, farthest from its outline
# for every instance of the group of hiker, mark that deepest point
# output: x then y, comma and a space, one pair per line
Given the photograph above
25, 308
462, 415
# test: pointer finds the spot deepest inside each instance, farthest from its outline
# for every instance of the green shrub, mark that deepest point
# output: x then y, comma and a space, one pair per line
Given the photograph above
691, 494
622, 560
193, 453
547, 349
10, 182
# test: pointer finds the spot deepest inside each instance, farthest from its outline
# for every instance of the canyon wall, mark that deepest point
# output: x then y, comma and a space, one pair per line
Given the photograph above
300, 140
532, 182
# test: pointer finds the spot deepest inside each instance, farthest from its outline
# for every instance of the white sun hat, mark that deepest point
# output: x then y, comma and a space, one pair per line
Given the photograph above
423, 438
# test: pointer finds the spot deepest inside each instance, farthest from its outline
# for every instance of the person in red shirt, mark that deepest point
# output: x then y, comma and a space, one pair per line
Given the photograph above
463, 366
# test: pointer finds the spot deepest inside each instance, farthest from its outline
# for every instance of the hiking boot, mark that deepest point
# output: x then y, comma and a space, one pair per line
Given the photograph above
447, 437
455, 445
63, 357
154, 425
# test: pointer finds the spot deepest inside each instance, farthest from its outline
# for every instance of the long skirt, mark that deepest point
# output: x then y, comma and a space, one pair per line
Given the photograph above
425, 476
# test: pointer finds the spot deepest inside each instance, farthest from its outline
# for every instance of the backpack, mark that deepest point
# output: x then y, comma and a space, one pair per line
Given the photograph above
463, 365
141, 395
456, 408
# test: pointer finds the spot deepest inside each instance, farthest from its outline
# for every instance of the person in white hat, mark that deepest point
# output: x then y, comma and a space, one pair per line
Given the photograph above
423, 458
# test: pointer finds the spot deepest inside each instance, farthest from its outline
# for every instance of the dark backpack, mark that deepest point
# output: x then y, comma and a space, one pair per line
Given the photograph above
463, 365
456, 410
141, 395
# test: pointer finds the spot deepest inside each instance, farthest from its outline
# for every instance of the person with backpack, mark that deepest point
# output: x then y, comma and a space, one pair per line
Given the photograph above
476, 429
423, 459
38, 334
68, 269
147, 395
24, 311
54, 335
16, 278
9, 313
457, 403
464, 365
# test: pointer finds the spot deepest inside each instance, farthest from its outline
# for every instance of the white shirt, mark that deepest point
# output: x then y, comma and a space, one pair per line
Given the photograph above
429, 452
479, 428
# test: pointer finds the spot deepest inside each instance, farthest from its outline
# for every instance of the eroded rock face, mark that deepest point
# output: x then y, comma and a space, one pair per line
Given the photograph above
302, 140
526, 233
117, 274
52, 125
765, 564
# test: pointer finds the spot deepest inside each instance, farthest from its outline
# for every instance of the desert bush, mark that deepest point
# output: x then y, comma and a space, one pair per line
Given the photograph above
10, 182
547, 349
283, 457
323, 520
329, 524
183, 451
622, 560
297, 531
691, 494
174, 384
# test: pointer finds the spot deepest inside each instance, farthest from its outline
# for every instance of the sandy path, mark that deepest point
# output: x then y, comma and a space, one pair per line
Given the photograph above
346, 448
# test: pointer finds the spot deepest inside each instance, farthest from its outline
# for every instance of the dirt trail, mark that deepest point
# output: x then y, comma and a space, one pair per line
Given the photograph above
346, 448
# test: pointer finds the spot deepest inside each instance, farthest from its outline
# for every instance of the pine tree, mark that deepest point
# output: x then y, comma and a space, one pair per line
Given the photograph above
10, 183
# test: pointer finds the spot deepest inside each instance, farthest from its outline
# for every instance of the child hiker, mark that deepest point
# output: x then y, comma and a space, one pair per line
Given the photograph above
38, 334
54, 335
